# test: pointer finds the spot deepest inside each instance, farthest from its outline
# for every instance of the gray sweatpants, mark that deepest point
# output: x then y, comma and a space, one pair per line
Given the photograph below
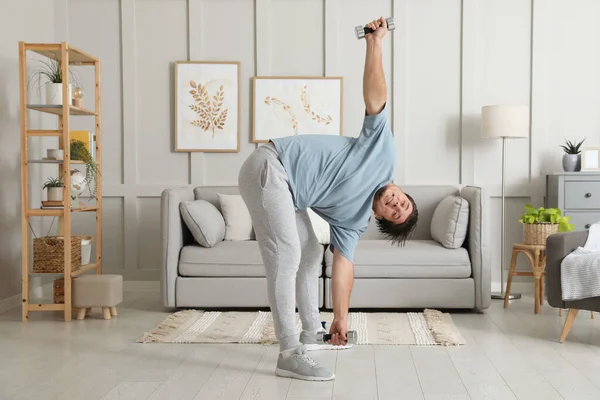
289, 248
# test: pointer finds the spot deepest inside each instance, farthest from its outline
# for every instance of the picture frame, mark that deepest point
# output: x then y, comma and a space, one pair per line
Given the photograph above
207, 106
296, 105
590, 158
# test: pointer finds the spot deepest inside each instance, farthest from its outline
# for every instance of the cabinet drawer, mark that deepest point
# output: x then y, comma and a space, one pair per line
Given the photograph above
582, 195
582, 220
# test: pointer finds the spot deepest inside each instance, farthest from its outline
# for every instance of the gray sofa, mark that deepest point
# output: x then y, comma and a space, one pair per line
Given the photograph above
421, 274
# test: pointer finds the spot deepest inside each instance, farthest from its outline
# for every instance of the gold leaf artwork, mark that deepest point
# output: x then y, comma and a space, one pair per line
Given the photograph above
211, 116
269, 100
307, 108
286, 108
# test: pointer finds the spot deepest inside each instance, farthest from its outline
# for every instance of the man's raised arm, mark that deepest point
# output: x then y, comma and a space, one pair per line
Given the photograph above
374, 88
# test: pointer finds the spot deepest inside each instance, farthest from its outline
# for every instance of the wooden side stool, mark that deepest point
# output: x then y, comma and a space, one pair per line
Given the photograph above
536, 254
105, 291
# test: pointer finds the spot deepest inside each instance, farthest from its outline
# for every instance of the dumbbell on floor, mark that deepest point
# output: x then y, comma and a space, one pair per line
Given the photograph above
361, 31
323, 337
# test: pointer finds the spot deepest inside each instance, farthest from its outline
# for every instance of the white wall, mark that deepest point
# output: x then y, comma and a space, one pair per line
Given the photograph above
16, 24
446, 59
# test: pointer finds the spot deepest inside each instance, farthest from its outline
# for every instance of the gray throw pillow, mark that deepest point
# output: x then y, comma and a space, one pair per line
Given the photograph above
204, 221
450, 222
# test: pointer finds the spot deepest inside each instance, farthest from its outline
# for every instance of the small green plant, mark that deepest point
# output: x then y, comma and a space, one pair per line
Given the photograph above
572, 148
543, 215
51, 72
53, 182
81, 153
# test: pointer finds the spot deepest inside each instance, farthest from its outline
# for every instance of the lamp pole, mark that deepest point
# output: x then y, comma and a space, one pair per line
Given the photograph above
500, 295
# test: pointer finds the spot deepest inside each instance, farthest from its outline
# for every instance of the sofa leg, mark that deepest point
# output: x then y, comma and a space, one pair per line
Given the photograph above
568, 323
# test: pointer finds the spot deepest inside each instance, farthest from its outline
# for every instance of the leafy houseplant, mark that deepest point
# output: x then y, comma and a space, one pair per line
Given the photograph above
539, 223
572, 158
51, 72
80, 152
55, 189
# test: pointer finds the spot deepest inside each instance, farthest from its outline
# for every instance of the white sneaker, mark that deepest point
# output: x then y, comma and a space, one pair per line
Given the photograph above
309, 339
295, 363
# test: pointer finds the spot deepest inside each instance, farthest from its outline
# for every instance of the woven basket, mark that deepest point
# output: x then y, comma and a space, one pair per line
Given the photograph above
538, 233
48, 254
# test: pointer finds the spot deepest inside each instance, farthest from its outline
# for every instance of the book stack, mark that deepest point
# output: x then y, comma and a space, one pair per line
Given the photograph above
52, 205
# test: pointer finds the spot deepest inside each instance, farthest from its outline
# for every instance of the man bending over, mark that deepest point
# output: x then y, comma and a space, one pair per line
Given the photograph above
344, 180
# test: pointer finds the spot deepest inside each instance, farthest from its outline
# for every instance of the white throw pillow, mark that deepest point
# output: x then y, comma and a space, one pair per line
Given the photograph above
320, 226
238, 223
450, 222
204, 221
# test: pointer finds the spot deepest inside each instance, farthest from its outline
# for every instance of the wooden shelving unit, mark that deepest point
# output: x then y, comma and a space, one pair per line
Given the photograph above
69, 56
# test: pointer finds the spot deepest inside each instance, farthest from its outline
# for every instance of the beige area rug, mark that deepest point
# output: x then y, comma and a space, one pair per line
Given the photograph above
429, 328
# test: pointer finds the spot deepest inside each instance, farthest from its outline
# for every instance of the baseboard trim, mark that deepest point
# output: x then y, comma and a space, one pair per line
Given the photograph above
141, 286
10, 303
47, 292
128, 286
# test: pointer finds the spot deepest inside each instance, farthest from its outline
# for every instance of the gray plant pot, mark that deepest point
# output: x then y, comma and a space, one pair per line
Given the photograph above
571, 162
55, 194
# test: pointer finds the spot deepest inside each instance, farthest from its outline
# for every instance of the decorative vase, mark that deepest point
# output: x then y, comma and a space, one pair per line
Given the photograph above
571, 162
78, 103
54, 94
55, 194
55, 154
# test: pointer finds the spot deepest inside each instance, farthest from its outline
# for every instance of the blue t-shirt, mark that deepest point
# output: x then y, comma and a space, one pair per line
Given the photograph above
338, 176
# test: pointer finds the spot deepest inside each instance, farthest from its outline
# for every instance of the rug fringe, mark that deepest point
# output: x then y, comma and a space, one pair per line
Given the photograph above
441, 330
268, 334
167, 326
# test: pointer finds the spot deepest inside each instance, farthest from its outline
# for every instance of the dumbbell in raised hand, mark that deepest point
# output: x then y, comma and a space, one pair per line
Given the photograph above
361, 31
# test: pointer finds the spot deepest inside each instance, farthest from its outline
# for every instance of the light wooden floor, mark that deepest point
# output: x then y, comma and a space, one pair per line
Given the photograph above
510, 354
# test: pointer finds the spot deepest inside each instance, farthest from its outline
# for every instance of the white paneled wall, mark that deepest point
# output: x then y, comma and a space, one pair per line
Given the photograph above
433, 92
446, 59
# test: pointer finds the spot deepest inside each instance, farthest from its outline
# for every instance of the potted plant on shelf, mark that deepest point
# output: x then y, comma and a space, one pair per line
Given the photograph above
55, 189
539, 223
571, 160
80, 152
51, 72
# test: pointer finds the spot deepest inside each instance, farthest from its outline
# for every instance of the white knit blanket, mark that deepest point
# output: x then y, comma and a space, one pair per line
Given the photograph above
580, 270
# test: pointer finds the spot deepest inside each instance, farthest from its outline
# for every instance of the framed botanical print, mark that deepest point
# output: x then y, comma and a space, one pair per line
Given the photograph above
288, 106
207, 106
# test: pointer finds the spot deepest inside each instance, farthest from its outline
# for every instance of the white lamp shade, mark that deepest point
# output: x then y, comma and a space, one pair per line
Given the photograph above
505, 121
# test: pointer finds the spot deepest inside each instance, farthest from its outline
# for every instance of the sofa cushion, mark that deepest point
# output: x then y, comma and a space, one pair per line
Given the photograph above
450, 222
238, 223
204, 221
417, 259
228, 258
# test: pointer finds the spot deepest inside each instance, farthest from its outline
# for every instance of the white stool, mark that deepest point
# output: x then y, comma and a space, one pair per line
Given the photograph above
105, 291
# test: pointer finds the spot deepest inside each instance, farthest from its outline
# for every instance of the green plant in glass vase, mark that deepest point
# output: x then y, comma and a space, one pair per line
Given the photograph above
81, 153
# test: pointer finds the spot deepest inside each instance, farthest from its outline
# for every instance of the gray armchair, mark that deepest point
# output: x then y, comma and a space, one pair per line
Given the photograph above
558, 246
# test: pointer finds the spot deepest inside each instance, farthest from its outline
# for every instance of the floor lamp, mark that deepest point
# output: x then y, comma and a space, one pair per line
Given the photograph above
504, 122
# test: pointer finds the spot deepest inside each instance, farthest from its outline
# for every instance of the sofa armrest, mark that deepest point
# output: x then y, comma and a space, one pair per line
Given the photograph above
558, 246
477, 245
173, 234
